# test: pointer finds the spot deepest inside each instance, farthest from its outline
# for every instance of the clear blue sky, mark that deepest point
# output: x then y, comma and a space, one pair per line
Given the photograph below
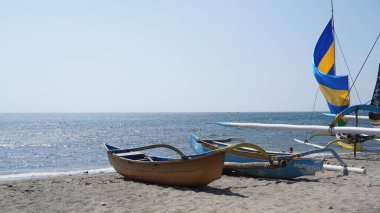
176, 56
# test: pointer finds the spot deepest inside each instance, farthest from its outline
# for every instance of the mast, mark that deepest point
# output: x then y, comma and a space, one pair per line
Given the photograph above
334, 35
333, 32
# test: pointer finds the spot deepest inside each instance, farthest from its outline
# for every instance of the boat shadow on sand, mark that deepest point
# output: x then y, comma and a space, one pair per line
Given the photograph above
271, 180
211, 190
205, 189
227, 191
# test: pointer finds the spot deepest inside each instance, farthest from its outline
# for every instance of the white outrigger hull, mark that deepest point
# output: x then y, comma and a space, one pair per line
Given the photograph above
305, 128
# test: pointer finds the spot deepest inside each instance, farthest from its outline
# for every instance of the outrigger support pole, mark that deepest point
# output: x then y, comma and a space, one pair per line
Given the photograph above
343, 167
356, 135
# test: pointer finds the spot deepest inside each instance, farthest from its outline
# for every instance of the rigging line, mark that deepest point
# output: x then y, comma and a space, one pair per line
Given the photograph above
312, 113
315, 101
349, 72
353, 83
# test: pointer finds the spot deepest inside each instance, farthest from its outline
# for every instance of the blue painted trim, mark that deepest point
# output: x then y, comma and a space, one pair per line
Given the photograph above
368, 108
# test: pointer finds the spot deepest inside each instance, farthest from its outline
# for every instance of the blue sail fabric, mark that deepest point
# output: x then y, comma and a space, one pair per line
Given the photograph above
334, 88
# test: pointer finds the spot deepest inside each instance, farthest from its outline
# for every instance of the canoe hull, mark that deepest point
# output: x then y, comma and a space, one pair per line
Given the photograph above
349, 146
296, 168
360, 147
197, 171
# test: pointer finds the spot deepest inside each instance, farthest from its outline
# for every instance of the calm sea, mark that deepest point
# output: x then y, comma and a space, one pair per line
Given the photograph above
69, 142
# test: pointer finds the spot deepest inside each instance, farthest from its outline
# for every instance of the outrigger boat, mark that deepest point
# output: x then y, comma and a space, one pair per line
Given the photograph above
194, 170
351, 141
188, 170
252, 160
327, 130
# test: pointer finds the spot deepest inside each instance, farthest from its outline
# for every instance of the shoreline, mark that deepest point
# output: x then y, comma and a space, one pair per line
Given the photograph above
110, 192
44, 175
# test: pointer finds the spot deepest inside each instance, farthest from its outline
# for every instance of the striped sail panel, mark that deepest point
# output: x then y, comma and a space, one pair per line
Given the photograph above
336, 109
373, 116
326, 65
334, 88
331, 81
324, 51
330, 95
376, 92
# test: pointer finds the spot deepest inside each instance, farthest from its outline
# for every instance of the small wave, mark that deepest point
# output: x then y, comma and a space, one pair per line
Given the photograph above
38, 175
6, 145
24, 145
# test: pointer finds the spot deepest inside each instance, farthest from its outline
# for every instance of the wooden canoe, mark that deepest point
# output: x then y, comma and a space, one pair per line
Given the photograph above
195, 170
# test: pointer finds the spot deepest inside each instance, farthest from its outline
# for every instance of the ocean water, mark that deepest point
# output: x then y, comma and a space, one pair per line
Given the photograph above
54, 143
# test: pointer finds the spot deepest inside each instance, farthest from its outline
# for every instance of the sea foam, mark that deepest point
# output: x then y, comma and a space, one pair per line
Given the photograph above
39, 175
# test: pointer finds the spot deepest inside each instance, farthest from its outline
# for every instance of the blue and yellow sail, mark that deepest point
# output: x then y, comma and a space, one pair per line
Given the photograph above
335, 89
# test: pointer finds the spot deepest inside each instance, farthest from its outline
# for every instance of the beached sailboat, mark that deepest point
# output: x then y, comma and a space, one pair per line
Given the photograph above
278, 164
336, 91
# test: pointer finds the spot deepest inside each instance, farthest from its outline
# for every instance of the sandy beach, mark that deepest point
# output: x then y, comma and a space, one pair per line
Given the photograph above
110, 192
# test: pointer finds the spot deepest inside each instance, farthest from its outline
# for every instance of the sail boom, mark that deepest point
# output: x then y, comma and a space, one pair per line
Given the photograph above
305, 128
